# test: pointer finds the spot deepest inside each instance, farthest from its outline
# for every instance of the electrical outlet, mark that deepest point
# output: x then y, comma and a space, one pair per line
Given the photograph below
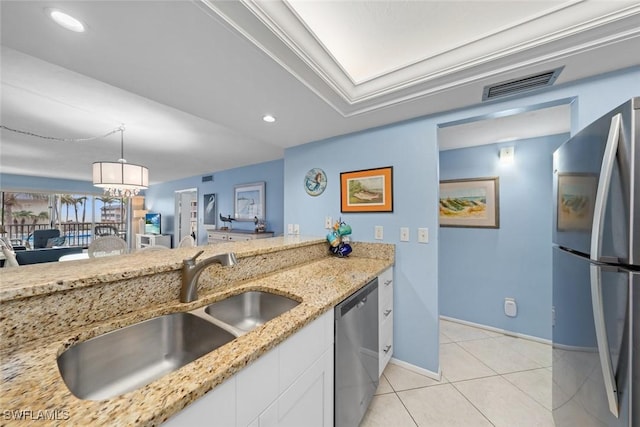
289, 228
423, 235
296, 229
404, 234
328, 222
378, 232
510, 307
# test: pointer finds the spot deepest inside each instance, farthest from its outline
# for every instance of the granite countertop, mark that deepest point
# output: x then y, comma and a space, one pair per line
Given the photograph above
40, 279
31, 381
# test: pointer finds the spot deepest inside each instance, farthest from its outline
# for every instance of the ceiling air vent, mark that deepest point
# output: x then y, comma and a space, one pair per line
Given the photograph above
523, 84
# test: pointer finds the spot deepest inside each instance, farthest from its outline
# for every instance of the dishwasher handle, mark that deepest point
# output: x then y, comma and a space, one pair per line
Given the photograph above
357, 300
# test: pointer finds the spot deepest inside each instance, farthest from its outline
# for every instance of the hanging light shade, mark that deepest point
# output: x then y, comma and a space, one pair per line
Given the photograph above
120, 179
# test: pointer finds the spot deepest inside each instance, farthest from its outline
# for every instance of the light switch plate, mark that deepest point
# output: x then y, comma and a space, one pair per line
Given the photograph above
378, 232
328, 223
404, 234
423, 235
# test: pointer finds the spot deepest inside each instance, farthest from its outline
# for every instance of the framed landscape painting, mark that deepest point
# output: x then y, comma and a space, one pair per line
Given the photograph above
369, 190
470, 203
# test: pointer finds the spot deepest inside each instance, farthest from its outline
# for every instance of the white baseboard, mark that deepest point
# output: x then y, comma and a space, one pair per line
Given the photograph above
418, 370
498, 330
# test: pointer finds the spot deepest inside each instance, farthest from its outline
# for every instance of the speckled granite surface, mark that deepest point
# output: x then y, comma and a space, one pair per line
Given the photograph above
105, 288
30, 378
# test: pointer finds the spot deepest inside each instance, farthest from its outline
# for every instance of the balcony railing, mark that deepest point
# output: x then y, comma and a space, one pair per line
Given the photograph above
75, 233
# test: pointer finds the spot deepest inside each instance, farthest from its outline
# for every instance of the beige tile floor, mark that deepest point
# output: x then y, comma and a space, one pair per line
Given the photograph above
488, 379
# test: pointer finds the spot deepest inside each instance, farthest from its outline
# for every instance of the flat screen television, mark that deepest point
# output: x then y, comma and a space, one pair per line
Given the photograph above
152, 223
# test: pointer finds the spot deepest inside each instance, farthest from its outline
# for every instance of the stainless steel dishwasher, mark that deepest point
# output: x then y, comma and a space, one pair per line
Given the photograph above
356, 355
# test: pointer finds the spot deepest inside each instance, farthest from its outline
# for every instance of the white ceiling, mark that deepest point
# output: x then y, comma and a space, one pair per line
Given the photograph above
190, 80
505, 126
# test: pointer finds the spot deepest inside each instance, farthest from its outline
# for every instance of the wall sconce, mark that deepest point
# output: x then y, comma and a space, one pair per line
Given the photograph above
507, 155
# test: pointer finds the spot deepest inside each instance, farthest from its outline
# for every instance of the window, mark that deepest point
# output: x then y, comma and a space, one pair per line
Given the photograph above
75, 215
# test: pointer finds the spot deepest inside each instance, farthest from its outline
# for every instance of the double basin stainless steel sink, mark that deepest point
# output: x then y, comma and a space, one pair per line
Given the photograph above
131, 357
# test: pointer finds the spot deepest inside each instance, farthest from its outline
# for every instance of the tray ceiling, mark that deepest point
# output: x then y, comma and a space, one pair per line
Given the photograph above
192, 79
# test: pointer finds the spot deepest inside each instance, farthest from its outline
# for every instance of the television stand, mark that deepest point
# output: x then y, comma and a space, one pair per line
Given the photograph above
145, 240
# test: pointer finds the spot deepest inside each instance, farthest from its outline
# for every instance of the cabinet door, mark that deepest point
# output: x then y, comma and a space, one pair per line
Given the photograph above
301, 350
256, 387
216, 408
308, 401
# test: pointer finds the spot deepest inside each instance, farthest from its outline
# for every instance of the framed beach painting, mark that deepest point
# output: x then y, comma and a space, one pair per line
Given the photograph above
576, 199
470, 203
369, 190
249, 201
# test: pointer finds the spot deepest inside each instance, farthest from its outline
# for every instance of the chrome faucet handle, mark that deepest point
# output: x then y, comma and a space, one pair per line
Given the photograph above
191, 272
192, 260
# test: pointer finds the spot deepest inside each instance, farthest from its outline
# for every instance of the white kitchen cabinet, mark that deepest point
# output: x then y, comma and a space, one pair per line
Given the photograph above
308, 401
256, 387
291, 385
216, 408
221, 236
385, 317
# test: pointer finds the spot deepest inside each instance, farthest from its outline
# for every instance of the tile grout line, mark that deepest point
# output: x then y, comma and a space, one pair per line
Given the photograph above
472, 404
497, 374
477, 358
495, 338
401, 402
453, 383
525, 391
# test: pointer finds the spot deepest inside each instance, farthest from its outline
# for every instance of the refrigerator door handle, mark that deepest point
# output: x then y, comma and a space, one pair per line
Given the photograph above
610, 385
606, 170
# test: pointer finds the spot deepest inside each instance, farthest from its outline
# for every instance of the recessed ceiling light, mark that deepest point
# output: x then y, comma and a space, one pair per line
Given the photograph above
268, 118
66, 21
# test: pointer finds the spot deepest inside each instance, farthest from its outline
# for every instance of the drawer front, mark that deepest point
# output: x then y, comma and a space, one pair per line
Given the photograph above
216, 236
386, 277
213, 238
385, 301
240, 237
385, 284
386, 348
386, 314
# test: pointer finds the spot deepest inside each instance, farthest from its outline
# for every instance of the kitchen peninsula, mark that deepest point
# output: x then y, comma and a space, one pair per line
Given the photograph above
48, 308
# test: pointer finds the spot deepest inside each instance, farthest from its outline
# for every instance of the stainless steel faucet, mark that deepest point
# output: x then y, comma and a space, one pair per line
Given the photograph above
191, 272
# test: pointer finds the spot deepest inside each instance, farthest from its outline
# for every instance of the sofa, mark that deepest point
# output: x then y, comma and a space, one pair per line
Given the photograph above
38, 256
47, 238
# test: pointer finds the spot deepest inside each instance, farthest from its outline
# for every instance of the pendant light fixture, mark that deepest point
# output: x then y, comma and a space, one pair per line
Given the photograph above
120, 179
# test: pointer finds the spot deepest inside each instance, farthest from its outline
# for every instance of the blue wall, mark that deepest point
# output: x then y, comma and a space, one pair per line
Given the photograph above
412, 151
411, 148
480, 267
161, 197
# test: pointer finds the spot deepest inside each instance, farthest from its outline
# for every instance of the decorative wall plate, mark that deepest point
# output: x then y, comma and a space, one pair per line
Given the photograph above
315, 181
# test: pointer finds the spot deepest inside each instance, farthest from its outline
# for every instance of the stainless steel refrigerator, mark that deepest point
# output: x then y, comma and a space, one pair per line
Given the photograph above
596, 273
